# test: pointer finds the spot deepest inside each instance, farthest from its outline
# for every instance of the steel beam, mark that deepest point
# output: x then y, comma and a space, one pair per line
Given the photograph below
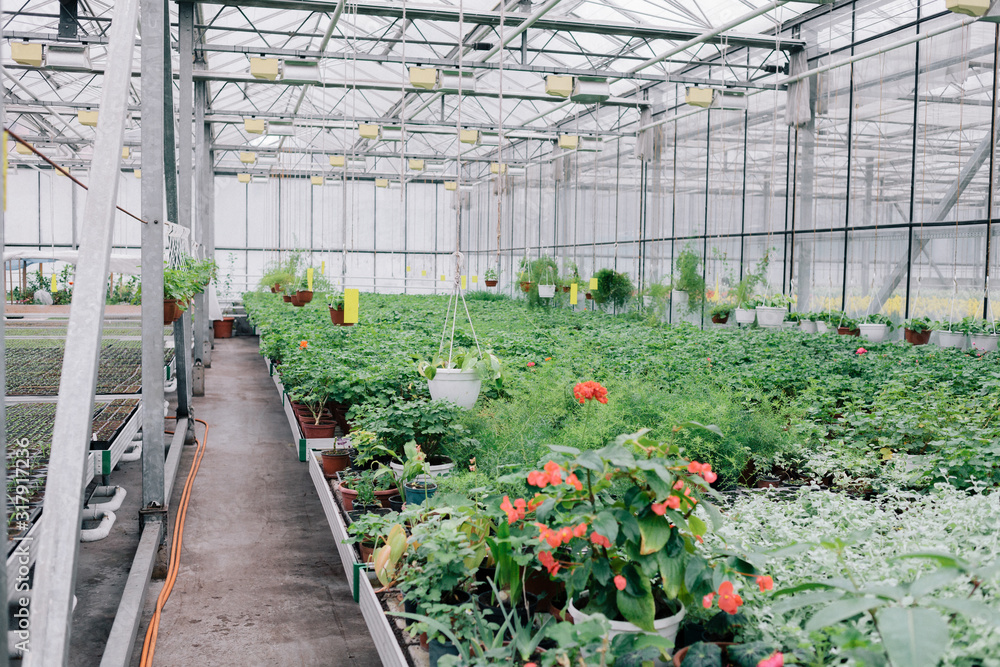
4, 655
204, 186
152, 189
450, 14
55, 570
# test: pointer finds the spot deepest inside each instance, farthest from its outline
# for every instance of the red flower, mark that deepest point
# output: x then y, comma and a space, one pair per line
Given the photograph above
303, 345
580, 531
585, 391
514, 512
620, 582
538, 478
546, 559
765, 582
530, 364
776, 660
572, 480
729, 601
660, 509
600, 540
703, 469
861, 350
535, 502
673, 502
706, 601
554, 471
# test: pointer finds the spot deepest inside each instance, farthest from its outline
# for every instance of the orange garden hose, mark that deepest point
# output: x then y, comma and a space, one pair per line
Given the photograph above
149, 644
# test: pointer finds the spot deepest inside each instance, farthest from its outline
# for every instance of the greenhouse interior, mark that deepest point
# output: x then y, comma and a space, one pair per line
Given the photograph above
544, 333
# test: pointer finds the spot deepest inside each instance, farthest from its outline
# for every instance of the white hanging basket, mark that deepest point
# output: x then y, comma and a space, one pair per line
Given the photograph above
770, 316
546, 291
458, 386
985, 342
745, 315
807, 326
951, 339
876, 333
821, 327
664, 627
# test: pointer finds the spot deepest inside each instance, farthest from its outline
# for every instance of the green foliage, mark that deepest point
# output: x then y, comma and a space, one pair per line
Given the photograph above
918, 324
491, 273
431, 424
743, 292
613, 288
878, 318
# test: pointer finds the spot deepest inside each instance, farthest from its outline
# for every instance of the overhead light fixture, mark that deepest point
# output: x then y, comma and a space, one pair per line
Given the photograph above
281, 128
468, 136
560, 86
416, 165
700, 97
381, 182
729, 101
569, 142
255, 125
68, 57
126, 152
247, 157
451, 185
22, 149
87, 117
497, 168
489, 139
243, 178
336, 160
423, 77
590, 90
301, 71
968, 7
26, 53
259, 178
392, 134
316, 180
137, 173
451, 80
265, 68
369, 131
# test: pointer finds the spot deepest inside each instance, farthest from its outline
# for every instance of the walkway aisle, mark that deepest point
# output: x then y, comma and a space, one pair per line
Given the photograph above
260, 581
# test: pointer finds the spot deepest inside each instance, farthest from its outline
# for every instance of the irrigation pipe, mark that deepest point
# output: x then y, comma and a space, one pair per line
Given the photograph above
149, 644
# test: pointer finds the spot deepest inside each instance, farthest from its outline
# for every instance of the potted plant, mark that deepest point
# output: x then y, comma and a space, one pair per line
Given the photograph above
178, 289
613, 288
459, 378
917, 330
370, 531
302, 291
742, 294
431, 424
982, 334
950, 334
492, 277
846, 326
807, 321
335, 302
726, 654
547, 282
367, 489
688, 283
875, 327
720, 312
415, 480
571, 275
336, 459
772, 309
524, 275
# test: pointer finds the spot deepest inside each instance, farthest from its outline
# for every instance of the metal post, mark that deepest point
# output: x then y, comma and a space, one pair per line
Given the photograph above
153, 17
204, 188
55, 569
3, 422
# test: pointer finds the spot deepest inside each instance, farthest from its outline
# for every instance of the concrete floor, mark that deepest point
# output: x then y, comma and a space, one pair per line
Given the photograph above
260, 581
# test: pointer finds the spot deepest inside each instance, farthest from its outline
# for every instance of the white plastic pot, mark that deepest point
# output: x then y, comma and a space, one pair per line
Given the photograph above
821, 327
458, 386
984, 342
951, 339
876, 333
664, 627
807, 326
745, 315
442, 469
768, 316
546, 291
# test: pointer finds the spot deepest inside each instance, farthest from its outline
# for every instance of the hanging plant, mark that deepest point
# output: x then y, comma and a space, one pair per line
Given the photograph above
613, 287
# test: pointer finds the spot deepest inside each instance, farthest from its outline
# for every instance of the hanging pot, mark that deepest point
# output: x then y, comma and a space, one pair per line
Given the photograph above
984, 342
589, 296
769, 316
951, 339
276, 287
337, 317
822, 327
458, 386
566, 288
745, 315
847, 331
807, 326
491, 283
719, 320
171, 311
664, 627
223, 328
917, 337
304, 296
287, 298
295, 301
876, 333
525, 286
546, 291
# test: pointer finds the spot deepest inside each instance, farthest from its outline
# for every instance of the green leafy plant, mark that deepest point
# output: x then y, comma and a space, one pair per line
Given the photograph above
722, 310
777, 301
878, 318
743, 292
613, 288
918, 324
491, 274
431, 424
335, 300
484, 363
689, 278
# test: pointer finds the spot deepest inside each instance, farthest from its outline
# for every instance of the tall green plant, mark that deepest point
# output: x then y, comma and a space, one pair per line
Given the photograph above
689, 278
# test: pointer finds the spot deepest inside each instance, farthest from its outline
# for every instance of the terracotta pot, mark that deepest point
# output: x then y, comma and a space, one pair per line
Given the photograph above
287, 298
681, 653
304, 296
492, 283
768, 483
334, 463
384, 496
337, 317
565, 288
367, 550
589, 296
223, 328
720, 320
347, 497
525, 286
295, 301
321, 430
917, 338
844, 331
171, 311
274, 290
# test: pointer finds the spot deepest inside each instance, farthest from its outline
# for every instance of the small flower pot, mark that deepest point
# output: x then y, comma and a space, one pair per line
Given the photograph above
768, 316
437, 650
589, 296
385, 496
337, 317
313, 430
917, 337
491, 283
287, 298
719, 320
418, 492
546, 291
951, 339
664, 627
295, 301
566, 288
347, 497
678, 658
223, 328
396, 503
334, 460
367, 550
304, 296
455, 385
525, 286
745, 315
984, 342
847, 331
876, 333
171, 311
768, 483
807, 326
822, 327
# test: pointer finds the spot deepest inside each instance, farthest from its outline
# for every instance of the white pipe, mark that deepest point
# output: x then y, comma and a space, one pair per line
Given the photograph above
133, 454
524, 25
103, 530
115, 494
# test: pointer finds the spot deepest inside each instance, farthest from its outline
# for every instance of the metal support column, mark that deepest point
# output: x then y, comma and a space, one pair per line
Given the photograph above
204, 184
55, 569
153, 455
3, 418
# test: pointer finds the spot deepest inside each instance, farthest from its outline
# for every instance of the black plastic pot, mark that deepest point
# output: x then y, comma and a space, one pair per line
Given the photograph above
396, 503
494, 613
438, 650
